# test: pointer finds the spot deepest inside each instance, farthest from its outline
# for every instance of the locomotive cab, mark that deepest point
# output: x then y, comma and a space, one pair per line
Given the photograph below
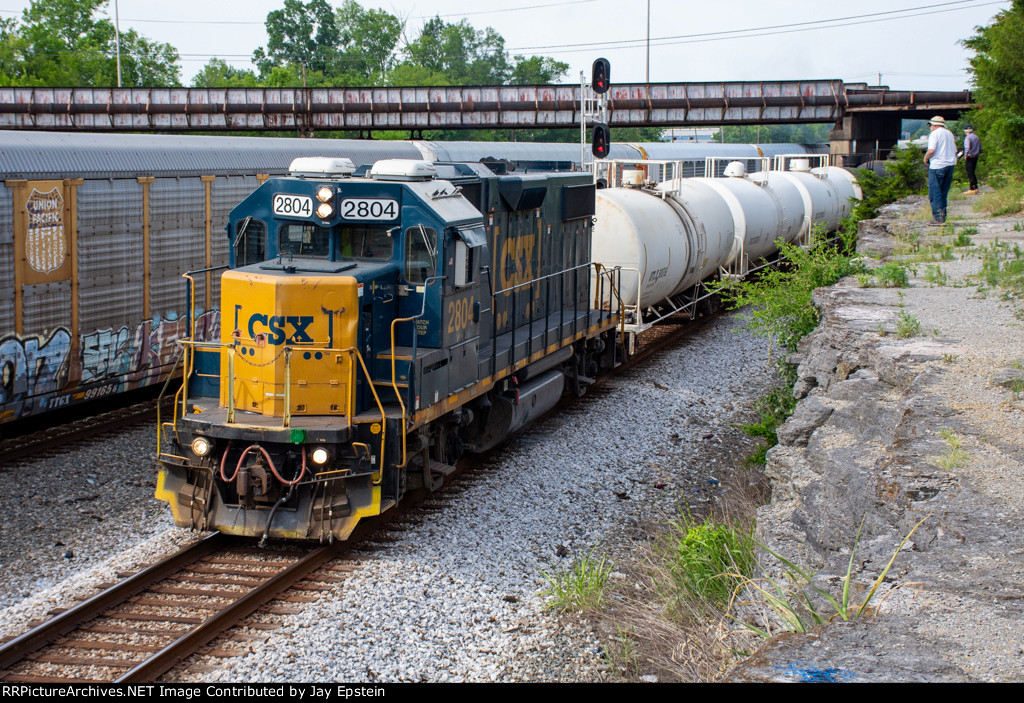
366, 341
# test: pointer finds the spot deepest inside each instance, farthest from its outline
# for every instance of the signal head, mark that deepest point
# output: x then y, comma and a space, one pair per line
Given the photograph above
601, 143
600, 76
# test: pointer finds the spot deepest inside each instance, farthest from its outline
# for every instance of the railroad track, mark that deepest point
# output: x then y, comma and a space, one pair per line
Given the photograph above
141, 628
144, 626
92, 428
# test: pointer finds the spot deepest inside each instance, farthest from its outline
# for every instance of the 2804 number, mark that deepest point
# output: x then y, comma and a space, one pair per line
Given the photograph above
460, 314
369, 209
293, 205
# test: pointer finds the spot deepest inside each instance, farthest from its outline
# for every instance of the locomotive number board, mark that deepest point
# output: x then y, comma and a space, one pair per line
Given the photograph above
369, 209
293, 205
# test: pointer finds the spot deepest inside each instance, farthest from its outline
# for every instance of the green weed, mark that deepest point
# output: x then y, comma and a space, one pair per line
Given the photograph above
907, 325
772, 411
892, 275
621, 651
779, 299
793, 605
962, 240
949, 358
708, 560
956, 457
580, 587
935, 274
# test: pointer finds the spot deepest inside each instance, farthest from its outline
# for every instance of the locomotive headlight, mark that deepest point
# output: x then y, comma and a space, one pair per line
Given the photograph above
324, 210
320, 456
324, 194
201, 446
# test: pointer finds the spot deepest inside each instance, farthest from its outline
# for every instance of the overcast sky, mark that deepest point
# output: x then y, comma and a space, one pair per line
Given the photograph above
913, 44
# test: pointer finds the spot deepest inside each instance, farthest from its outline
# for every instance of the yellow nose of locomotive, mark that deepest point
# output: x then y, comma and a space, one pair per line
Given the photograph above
293, 341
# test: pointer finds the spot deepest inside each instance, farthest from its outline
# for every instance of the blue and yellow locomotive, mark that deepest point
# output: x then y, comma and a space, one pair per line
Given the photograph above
377, 323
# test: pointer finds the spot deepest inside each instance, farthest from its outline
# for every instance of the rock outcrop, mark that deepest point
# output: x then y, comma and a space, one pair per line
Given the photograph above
891, 431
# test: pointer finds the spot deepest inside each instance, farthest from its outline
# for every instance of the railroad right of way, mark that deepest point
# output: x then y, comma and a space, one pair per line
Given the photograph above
912, 410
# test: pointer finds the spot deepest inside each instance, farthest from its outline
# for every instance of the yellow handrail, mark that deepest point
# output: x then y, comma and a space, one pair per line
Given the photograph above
351, 351
394, 378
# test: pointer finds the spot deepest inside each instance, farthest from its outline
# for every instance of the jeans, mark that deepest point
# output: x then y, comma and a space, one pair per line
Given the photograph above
939, 181
970, 164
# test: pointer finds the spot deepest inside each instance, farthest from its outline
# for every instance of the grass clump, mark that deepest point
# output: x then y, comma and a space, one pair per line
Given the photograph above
963, 240
580, 587
892, 275
772, 410
708, 560
907, 325
1006, 199
795, 603
1003, 267
935, 274
955, 457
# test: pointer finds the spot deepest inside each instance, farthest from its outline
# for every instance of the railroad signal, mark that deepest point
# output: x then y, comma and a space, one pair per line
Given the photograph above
600, 76
601, 144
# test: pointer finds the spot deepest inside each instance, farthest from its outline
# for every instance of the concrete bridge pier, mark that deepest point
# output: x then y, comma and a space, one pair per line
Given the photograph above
860, 137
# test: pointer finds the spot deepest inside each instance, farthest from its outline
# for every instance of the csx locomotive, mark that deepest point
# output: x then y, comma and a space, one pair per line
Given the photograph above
377, 323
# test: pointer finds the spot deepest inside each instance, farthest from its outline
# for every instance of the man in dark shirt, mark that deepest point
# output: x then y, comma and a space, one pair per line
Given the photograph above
972, 150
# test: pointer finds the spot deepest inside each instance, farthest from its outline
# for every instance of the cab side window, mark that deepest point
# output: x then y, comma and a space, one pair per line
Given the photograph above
250, 242
420, 254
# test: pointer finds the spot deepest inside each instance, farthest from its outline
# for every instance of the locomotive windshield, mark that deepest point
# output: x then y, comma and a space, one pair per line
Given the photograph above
305, 240
353, 242
365, 242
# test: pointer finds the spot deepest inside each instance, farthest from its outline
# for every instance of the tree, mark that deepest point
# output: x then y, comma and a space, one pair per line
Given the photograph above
997, 69
537, 70
776, 134
305, 35
218, 73
466, 56
62, 43
368, 42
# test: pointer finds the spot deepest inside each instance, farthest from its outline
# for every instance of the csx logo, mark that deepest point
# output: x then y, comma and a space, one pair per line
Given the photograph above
278, 326
517, 261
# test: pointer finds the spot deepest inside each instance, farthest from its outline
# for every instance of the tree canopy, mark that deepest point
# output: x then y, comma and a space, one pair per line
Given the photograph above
997, 70
64, 43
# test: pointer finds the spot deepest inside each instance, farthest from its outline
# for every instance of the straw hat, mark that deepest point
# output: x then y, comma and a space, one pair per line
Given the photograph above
937, 120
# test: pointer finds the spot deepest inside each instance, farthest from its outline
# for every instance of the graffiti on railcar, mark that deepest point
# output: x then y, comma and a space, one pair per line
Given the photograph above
31, 367
141, 356
35, 371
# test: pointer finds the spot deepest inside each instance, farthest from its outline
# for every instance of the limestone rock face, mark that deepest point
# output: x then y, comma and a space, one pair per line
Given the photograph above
889, 432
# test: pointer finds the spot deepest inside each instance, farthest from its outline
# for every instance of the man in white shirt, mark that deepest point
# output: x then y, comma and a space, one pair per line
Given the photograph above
941, 158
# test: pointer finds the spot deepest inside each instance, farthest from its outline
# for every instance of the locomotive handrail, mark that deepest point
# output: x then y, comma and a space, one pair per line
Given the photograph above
160, 397
609, 274
430, 280
351, 351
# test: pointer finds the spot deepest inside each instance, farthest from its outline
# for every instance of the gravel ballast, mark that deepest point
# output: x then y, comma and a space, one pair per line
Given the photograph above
457, 597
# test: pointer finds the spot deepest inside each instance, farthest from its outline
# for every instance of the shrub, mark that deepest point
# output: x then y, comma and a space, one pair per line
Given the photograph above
708, 560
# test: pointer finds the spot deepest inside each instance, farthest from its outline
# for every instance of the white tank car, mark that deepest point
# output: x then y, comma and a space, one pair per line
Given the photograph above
670, 237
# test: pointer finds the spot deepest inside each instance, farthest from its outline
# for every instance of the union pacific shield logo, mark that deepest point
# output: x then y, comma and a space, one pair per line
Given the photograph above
45, 244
